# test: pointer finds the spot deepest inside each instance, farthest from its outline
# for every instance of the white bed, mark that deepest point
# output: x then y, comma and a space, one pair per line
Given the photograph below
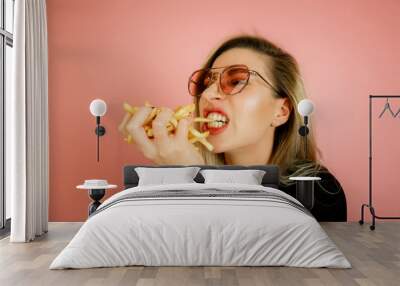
186, 230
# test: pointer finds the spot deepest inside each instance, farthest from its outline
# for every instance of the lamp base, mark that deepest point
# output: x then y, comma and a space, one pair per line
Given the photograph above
100, 130
96, 195
303, 130
305, 193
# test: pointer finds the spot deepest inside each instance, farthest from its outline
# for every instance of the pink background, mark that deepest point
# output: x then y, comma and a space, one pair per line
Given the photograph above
126, 51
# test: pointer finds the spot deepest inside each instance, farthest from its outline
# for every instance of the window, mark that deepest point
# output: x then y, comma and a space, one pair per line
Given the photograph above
6, 60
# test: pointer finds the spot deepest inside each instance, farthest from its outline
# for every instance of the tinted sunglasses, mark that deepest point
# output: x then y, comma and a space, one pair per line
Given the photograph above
233, 79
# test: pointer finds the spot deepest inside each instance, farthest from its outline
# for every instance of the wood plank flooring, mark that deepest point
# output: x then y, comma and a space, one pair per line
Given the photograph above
375, 257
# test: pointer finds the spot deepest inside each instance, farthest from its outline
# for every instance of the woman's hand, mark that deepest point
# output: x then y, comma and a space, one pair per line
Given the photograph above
168, 149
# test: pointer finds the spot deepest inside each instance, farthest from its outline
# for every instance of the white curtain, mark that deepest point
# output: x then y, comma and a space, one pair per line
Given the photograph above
27, 124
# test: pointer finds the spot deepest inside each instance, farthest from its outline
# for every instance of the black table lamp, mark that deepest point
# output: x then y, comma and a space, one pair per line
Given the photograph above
98, 108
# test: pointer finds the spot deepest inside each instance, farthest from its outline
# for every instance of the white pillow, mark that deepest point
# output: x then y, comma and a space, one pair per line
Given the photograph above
162, 176
248, 177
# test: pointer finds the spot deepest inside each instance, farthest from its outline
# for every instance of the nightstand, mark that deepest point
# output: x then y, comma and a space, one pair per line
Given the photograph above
305, 190
96, 189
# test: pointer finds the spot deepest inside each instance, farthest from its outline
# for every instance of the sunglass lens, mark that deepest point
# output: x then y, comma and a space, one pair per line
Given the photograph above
234, 79
198, 82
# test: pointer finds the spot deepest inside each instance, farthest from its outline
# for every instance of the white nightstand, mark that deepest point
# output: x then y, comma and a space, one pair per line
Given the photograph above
97, 189
305, 190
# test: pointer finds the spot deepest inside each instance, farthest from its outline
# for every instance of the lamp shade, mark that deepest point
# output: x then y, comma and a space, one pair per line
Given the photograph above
305, 107
98, 107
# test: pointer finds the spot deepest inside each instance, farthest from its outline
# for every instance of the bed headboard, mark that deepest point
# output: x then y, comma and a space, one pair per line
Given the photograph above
270, 179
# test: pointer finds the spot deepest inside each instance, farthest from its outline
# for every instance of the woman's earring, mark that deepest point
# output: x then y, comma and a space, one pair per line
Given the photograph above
271, 125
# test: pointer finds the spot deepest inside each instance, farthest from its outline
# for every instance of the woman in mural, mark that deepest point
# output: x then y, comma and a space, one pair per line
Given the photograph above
250, 87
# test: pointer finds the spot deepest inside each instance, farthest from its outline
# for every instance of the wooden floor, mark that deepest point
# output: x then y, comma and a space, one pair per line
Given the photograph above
375, 257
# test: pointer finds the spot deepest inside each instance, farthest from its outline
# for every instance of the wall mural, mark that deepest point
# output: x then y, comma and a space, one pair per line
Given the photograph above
243, 112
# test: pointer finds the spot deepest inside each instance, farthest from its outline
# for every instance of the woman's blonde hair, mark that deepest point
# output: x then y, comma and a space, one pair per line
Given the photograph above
288, 150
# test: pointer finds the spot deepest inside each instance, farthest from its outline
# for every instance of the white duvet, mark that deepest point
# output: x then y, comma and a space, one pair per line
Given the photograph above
200, 231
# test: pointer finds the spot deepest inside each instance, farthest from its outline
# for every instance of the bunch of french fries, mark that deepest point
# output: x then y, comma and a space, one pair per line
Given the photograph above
180, 112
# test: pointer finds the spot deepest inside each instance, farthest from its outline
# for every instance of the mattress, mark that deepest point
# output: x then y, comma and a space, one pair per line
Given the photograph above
201, 225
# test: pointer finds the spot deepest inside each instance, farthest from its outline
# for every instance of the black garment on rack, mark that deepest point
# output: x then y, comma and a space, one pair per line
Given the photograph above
330, 206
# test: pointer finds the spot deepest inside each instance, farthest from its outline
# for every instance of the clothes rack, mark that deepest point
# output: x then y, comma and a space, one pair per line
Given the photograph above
370, 205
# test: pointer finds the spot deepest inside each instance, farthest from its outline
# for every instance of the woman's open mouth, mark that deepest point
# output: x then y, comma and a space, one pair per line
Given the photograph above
219, 121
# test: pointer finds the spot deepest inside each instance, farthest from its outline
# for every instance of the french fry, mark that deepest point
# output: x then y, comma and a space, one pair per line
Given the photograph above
185, 111
149, 132
206, 144
181, 112
197, 134
129, 139
174, 122
193, 140
151, 116
202, 119
128, 108
170, 127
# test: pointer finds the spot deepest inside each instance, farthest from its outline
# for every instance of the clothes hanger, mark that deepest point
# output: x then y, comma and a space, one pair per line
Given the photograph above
387, 106
397, 113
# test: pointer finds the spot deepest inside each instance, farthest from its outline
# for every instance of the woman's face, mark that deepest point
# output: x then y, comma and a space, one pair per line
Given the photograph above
248, 114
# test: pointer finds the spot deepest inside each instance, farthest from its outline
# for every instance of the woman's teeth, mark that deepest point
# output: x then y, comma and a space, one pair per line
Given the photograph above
219, 120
